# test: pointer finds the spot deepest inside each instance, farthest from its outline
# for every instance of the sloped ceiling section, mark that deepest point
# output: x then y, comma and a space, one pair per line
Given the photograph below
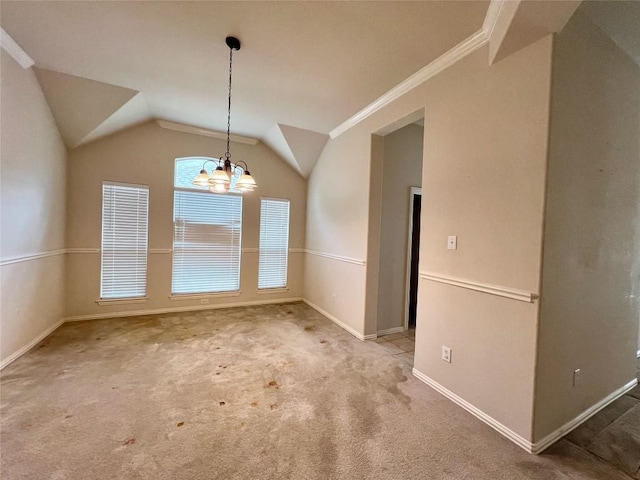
132, 113
619, 20
80, 105
522, 23
300, 148
305, 145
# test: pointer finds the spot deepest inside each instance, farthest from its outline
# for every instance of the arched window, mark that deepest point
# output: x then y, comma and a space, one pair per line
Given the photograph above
188, 168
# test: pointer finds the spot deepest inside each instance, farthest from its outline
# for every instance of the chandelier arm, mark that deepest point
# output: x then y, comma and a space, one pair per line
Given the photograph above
207, 161
246, 167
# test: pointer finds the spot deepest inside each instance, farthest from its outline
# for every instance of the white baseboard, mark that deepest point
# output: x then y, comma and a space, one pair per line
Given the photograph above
492, 422
353, 332
538, 447
14, 356
389, 331
531, 447
156, 311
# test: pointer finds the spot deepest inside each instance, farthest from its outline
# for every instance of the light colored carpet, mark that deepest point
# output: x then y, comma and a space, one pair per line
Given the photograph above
270, 392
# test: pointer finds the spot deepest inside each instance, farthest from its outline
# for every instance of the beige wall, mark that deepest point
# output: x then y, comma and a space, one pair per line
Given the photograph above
32, 206
146, 155
402, 169
483, 180
337, 217
590, 303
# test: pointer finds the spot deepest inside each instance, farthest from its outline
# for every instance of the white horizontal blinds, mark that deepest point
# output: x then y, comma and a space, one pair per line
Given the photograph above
274, 243
206, 242
125, 218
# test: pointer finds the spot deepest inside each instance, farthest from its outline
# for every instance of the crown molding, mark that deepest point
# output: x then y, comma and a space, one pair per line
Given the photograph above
181, 127
452, 56
13, 49
492, 16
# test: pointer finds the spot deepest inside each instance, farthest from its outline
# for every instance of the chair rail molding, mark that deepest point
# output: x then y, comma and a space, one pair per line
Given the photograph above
354, 261
498, 290
31, 256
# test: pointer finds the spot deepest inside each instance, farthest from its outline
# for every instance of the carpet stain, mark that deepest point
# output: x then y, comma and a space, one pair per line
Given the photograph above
222, 403
309, 328
345, 410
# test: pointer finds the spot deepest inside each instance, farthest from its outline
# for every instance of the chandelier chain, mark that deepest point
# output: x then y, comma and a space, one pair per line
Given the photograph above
228, 154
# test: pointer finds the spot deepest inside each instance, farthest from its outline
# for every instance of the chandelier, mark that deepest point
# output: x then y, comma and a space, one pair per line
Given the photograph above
220, 180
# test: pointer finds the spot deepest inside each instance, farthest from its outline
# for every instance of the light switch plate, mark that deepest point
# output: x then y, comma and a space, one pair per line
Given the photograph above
452, 242
446, 354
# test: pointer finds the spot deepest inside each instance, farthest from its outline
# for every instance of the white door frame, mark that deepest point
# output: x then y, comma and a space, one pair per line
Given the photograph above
412, 191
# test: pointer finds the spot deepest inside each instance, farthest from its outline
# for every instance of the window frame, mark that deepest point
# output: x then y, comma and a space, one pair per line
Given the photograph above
203, 191
130, 298
283, 287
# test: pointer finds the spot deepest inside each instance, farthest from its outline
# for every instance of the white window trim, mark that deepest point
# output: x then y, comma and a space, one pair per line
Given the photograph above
121, 301
124, 300
197, 296
272, 291
284, 288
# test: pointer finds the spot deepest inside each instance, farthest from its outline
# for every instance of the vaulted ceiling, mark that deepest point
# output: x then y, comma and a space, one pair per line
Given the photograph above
304, 67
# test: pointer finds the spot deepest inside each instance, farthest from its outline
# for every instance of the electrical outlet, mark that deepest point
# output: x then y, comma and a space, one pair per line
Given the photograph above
333, 297
452, 242
446, 354
204, 301
576, 377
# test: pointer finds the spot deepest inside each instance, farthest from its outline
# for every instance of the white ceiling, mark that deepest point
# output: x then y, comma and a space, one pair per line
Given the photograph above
302, 65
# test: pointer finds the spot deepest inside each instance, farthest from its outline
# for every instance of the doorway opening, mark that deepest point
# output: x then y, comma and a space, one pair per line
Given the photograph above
413, 255
396, 172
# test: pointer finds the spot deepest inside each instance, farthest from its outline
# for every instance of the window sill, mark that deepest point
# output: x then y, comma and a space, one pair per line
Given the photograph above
121, 301
268, 291
200, 296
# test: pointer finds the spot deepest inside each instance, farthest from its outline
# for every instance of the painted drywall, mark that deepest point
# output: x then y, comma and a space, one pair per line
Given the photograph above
337, 209
402, 169
146, 155
590, 304
483, 178
32, 206
374, 235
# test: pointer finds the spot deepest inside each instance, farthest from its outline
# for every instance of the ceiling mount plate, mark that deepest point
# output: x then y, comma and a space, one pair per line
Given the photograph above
233, 43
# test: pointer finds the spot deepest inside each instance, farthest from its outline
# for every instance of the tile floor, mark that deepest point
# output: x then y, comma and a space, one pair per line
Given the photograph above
613, 434
401, 345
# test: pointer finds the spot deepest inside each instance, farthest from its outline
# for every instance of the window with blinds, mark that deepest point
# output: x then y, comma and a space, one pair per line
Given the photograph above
274, 243
206, 242
125, 215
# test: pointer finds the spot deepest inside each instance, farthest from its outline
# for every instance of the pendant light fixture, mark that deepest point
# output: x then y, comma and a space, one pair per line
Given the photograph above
220, 181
